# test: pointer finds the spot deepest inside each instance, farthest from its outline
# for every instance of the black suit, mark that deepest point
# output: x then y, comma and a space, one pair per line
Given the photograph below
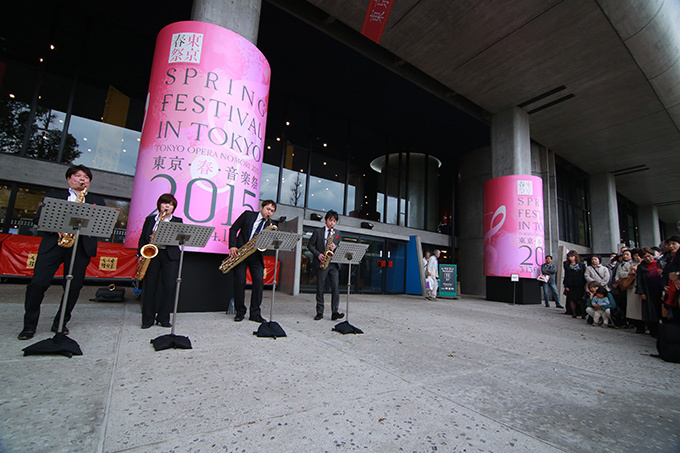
161, 274
239, 234
50, 257
317, 245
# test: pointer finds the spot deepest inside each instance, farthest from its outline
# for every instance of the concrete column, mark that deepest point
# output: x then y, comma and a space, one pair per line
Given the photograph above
510, 143
544, 166
604, 213
240, 16
648, 224
474, 171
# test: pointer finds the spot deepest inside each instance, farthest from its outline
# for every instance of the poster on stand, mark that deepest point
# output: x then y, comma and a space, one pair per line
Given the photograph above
513, 226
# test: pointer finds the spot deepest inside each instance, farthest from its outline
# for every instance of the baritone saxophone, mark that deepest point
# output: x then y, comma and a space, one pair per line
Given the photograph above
242, 253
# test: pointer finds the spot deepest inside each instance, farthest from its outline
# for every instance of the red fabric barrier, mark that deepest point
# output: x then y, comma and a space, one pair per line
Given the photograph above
268, 272
18, 254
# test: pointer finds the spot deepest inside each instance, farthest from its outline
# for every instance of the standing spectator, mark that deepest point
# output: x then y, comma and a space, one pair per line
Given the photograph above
549, 269
633, 300
622, 281
425, 258
574, 283
650, 288
598, 273
431, 275
671, 280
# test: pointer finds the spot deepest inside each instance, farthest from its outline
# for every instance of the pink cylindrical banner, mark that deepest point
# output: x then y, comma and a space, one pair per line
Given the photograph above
513, 226
204, 126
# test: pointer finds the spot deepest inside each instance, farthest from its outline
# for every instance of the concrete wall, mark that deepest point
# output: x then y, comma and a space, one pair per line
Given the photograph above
474, 170
49, 174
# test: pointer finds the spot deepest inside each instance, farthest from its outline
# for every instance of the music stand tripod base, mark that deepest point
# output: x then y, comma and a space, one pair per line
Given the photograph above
274, 240
348, 253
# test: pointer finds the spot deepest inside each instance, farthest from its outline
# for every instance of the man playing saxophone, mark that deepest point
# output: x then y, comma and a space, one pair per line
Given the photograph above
247, 226
53, 252
323, 242
161, 274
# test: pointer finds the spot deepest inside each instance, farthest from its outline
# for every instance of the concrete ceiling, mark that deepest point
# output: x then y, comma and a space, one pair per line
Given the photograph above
599, 79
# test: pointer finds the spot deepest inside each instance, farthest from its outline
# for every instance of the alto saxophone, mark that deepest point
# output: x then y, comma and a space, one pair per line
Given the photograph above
242, 253
148, 251
328, 253
67, 240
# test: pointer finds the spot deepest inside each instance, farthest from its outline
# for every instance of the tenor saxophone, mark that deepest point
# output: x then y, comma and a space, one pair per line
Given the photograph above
148, 251
67, 240
328, 253
242, 253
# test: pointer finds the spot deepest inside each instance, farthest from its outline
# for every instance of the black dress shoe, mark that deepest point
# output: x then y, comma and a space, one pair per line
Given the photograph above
164, 324
317, 317
146, 326
65, 330
257, 318
239, 318
26, 334
335, 316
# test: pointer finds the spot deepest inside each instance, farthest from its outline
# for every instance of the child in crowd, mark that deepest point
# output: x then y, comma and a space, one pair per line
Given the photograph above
600, 305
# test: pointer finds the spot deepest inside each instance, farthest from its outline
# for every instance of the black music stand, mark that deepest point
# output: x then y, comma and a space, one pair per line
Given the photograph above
348, 253
179, 234
62, 216
274, 240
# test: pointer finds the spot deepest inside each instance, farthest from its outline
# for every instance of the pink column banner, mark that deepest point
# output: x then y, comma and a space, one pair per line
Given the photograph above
204, 127
513, 226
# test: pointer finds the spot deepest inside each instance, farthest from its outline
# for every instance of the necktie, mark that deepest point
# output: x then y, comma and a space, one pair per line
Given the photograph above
259, 227
328, 234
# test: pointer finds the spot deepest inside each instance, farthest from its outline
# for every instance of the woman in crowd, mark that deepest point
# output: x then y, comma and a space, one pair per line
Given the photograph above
574, 282
649, 287
633, 300
671, 281
600, 305
623, 281
597, 273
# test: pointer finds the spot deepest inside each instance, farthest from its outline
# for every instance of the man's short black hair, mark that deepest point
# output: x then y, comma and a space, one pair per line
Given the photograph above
73, 169
330, 214
268, 202
549, 256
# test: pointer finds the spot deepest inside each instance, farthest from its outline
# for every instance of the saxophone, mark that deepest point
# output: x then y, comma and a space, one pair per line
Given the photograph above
328, 253
148, 252
67, 240
242, 253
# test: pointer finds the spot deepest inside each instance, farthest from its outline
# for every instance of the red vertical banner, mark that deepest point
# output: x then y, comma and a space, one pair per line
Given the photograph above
376, 17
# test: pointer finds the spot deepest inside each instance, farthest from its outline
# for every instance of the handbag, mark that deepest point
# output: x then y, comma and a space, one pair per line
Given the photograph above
625, 284
543, 278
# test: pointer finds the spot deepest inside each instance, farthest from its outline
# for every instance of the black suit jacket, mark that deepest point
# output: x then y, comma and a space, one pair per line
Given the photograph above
317, 244
239, 233
147, 231
49, 240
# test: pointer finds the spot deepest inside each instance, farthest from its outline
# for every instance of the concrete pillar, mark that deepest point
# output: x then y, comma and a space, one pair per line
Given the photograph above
240, 16
510, 143
474, 171
604, 213
544, 166
648, 224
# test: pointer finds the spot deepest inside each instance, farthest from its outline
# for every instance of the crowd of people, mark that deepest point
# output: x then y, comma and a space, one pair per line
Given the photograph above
636, 288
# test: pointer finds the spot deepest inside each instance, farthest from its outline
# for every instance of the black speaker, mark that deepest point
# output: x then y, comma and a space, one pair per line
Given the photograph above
367, 225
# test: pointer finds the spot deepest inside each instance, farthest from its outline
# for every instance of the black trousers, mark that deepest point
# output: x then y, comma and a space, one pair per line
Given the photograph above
256, 265
331, 274
159, 289
46, 266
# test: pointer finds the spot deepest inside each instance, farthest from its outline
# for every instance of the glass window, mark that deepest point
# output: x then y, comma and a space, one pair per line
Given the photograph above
572, 203
365, 194
294, 176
